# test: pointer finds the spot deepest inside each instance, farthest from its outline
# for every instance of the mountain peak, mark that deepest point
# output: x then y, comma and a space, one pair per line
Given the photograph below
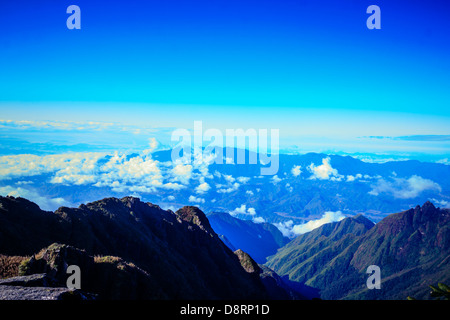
428, 203
194, 215
360, 218
10, 200
422, 215
129, 200
428, 206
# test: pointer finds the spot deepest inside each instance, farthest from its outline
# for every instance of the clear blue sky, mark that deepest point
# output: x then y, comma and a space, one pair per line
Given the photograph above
234, 61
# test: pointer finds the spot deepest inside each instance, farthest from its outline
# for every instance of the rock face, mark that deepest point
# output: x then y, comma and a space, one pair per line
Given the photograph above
247, 262
278, 288
54, 260
38, 287
412, 249
127, 249
33, 293
34, 280
194, 215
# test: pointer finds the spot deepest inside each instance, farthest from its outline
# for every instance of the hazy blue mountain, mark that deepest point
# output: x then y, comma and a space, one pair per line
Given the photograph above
260, 240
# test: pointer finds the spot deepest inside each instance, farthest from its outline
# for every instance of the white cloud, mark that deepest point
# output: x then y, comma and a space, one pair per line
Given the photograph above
290, 230
85, 126
228, 178
27, 165
196, 200
243, 210
296, 170
243, 180
20, 183
324, 171
445, 161
55, 125
351, 178
173, 186
258, 220
76, 179
118, 172
140, 174
249, 192
275, 179
170, 198
403, 188
441, 203
201, 162
327, 217
152, 145
182, 172
289, 187
202, 188
230, 184
285, 228
229, 160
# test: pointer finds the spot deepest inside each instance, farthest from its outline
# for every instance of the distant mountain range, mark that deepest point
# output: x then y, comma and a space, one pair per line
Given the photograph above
128, 249
305, 187
412, 249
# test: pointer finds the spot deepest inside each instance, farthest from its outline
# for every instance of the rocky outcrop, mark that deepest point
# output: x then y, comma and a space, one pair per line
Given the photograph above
195, 216
38, 287
247, 262
127, 249
37, 293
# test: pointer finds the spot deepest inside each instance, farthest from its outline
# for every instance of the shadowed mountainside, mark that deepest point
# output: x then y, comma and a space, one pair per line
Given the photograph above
177, 253
260, 240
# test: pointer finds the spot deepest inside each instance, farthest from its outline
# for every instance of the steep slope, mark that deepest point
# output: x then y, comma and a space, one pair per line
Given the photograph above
180, 252
311, 251
411, 248
260, 240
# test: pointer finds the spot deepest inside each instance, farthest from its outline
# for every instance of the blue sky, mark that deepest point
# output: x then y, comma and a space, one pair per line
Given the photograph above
305, 67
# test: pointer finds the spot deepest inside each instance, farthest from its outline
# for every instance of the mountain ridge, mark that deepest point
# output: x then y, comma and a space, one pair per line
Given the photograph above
410, 247
183, 257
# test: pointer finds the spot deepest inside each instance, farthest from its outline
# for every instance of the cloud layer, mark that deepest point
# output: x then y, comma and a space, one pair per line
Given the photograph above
403, 188
291, 230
